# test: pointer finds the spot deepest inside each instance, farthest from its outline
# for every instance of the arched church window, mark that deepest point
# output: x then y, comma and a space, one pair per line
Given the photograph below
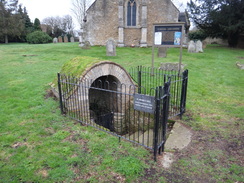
131, 13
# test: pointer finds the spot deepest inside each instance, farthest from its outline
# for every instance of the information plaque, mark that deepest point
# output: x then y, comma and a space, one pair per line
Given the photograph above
144, 103
168, 35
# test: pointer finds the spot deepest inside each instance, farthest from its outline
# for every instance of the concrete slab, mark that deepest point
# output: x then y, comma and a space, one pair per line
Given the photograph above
167, 159
179, 137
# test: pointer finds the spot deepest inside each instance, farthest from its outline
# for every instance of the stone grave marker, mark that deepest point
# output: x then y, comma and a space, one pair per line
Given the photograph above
55, 40
111, 47
60, 39
199, 47
72, 39
192, 47
171, 66
66, 39
162, 52
86, 45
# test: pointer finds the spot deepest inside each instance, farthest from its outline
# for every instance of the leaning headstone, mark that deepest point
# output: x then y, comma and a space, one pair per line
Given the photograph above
199, 47
86, 45
162, 52
171, 66
72, 39
192, 47
60, 39
66, 39
55, 40
111, 47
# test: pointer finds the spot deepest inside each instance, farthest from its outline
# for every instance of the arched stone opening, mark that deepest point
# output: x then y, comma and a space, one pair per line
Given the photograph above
104, 100
100, 91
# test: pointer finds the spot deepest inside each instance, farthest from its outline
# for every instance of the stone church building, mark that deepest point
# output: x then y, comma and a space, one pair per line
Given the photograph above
129, 22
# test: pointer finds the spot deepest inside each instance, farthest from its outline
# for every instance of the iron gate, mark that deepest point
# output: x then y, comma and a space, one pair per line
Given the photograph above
113, 107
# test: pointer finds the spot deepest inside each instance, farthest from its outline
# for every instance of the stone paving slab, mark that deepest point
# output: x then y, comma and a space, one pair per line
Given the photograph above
179, 137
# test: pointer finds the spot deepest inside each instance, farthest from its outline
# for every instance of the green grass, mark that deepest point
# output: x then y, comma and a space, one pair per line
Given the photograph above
37, 144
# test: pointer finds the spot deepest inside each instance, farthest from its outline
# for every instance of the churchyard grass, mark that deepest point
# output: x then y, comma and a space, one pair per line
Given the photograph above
38, 144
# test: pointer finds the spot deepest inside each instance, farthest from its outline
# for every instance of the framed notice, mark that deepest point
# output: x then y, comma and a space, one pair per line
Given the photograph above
177, 38
168, 34
158, 38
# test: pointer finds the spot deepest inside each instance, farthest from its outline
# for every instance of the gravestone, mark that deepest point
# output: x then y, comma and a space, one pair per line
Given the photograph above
192, 47
66, 39
60, 39
111, 47
162, 52
86, 45
55, 40
72, 39
171, 66
199, 47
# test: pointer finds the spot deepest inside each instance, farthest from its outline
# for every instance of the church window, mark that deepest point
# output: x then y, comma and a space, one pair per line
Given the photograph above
131, 13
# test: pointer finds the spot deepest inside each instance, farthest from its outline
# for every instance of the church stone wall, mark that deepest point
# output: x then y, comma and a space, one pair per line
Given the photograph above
104, 21
132, 36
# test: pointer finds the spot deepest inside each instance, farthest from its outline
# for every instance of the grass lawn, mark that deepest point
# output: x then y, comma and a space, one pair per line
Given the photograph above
37, 144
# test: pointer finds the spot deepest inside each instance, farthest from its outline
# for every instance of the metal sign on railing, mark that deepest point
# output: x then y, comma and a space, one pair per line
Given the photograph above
144, 103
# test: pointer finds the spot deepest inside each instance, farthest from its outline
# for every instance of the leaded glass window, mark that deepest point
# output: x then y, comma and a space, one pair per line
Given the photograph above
131, 13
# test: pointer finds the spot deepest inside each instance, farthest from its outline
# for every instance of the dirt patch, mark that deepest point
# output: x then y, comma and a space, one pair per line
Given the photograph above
43, 173
240, 58
206, 159
19, 144
50, 94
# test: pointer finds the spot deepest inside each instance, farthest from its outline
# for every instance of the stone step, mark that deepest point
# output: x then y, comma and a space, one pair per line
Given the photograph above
145, 138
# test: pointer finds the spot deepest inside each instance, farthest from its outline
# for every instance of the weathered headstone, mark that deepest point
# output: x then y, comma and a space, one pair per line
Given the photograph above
192, 47
66, 39
162, 52
86, 45
72, 39
171, 66
199, 47
111, 47
60, 39
55, 40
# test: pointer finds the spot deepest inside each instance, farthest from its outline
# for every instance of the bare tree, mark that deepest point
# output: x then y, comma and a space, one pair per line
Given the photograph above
79, 8
51, 21
68, 24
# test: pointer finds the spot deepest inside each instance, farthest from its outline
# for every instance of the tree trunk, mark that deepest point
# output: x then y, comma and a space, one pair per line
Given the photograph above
6, 39
233, 39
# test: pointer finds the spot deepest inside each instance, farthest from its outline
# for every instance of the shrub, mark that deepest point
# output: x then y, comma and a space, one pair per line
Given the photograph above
197, 35
38, 37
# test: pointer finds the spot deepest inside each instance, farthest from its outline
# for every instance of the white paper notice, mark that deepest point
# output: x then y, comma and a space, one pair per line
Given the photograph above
158, 38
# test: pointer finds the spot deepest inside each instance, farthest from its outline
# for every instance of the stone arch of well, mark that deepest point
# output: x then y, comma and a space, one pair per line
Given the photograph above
112, 73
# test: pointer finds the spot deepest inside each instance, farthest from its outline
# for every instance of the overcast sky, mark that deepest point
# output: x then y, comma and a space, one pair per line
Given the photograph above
45, 8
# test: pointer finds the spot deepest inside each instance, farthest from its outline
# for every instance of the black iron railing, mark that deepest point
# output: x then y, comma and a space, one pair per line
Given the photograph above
137, 113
